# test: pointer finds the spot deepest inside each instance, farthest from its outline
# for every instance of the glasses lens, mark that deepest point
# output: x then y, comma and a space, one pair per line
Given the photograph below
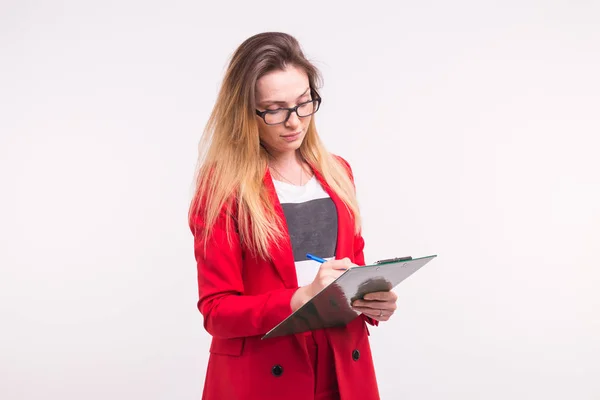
276, 117
308, 109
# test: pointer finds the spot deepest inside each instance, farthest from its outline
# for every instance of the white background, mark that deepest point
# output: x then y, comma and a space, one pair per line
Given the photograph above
472, 128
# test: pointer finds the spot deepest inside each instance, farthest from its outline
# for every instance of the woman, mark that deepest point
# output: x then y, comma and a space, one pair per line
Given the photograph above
268, 193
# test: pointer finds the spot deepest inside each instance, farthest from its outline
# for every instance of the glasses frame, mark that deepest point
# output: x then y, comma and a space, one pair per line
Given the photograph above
290, 110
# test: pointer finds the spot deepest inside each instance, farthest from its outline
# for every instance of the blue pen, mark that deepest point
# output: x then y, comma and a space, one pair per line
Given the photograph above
318, 259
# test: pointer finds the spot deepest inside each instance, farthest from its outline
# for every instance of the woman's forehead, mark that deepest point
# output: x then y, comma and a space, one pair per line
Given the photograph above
282, 86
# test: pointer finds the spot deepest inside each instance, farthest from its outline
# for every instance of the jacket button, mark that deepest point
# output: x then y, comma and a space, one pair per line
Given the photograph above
355, 355
277, 370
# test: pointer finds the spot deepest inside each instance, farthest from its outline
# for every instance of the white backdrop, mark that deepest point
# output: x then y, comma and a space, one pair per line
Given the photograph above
472, 128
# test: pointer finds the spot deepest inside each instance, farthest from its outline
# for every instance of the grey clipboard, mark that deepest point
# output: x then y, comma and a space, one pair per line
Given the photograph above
332, 306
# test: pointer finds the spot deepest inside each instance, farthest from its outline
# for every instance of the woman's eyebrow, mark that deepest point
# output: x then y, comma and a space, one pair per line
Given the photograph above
283, 102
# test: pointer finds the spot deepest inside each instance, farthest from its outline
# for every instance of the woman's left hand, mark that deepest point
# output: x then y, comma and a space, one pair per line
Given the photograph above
377, 305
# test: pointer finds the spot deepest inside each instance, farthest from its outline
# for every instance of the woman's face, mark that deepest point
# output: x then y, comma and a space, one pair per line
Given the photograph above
277, 89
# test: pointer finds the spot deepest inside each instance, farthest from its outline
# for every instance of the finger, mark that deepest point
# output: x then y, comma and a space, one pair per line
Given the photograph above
367, 311
349, 264
326, 277
377, 315
335, 273
340, 265
344, 263
381, 296
375, 305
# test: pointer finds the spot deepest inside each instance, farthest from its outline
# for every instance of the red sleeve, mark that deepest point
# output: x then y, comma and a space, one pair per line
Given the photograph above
359, 242
227, 311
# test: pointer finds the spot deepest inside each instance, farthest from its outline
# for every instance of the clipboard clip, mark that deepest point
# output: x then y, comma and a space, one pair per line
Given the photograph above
391, 260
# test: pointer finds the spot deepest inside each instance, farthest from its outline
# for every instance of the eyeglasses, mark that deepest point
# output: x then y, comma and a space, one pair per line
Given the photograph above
281, 115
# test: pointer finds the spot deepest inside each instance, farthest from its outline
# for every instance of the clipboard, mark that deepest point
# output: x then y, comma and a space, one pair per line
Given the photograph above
332, 306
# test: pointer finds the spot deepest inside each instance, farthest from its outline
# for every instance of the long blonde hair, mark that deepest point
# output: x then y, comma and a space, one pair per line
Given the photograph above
232, 163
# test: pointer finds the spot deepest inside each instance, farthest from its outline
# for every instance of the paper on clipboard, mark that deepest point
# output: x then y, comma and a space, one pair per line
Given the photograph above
332, 306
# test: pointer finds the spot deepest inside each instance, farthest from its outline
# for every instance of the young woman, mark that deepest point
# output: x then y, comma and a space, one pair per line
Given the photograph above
268, 193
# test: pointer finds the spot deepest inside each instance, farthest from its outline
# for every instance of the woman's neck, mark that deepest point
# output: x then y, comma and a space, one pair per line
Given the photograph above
290, 168
286, 161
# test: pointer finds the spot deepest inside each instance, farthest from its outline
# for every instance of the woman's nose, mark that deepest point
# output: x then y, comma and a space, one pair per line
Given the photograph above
293, 121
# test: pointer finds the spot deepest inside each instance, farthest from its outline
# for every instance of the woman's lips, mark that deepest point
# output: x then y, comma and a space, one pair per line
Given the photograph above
291, 137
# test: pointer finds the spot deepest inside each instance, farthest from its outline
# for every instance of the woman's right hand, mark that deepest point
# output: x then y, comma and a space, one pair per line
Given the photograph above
328, 272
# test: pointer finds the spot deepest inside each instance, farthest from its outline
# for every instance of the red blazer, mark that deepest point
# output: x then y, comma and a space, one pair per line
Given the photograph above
242, 297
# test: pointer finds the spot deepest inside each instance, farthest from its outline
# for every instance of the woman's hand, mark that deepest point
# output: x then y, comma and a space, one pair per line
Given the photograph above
377, 305
328, 272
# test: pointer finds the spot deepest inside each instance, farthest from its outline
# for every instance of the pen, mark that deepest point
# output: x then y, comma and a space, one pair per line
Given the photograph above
318, 259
